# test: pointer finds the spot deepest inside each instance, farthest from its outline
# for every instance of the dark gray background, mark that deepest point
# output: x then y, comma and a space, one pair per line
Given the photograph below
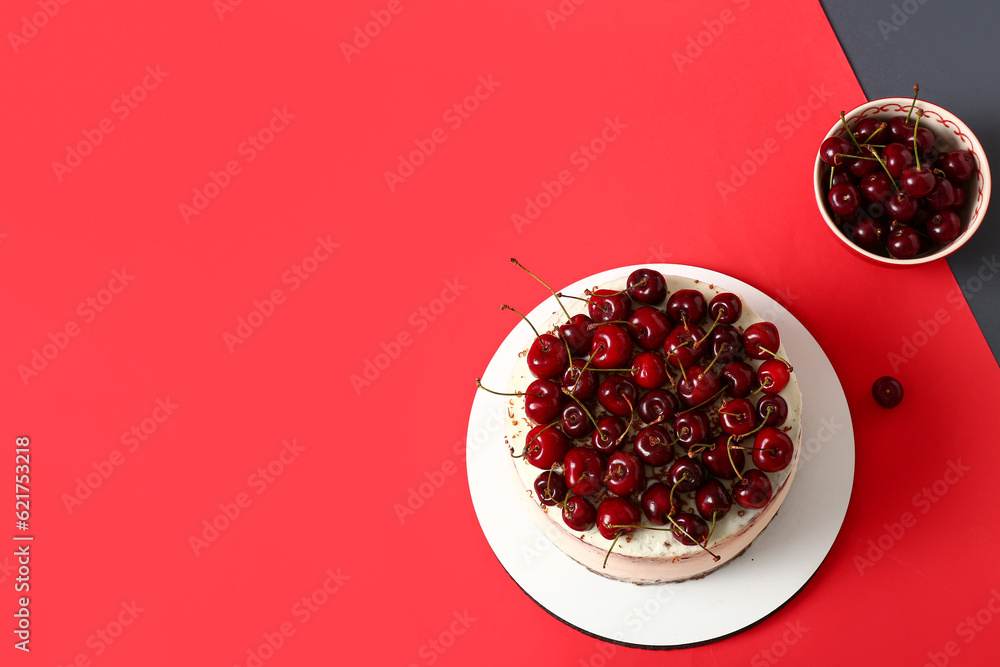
952, 49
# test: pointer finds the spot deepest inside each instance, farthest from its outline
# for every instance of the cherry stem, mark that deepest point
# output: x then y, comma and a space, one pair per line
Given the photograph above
498, 393
535, 437
580, 403
544, 284
631, 419
611, 548
688, 535
506, 307
868, 141
884, 168
705, 402
916, 124
570, 296
723, 348
594, 325
729, 453
710, 329
776, 356
763, 422
916, 90
699, 448
843, 119
855, 157
670, 500
711, 531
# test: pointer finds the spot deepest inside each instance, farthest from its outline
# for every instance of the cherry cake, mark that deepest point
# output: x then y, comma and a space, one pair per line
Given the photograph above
654, 427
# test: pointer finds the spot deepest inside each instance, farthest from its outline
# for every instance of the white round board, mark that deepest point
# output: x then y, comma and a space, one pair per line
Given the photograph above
775, 567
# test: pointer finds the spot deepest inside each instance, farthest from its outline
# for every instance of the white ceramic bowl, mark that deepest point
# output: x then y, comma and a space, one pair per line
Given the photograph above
950, 134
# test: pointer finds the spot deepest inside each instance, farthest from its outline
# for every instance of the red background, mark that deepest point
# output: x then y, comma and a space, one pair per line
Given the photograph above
651, 196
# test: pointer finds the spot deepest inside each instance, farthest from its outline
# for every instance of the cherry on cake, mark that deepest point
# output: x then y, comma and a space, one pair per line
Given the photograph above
654, 427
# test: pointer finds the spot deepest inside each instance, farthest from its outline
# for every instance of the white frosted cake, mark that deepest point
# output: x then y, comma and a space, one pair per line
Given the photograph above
654, 553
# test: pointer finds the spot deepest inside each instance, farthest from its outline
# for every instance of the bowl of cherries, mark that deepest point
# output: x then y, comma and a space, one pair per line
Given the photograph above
901, 181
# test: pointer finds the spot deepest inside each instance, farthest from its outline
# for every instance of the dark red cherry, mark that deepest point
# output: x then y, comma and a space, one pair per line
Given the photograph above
760, 339
584, 470
606, 305
581, 383
923, 139
657, 505
547, 357
647, 286
687, 305
649, 370
942, 197
618, 394
861, 167
687, 474
653, 446
778, 409
725, 308
579, 514
718, 461
900, 129
626, 474
917, 181
903, 243
650, 327
612, 347
897, 158
577, 334
740, 378
753, 491
737, 416
773, 375
876, 186
844, 199
550, 488
713, 499
959, 198
607, 437
617, 516
870, 234
958, 166
866, 127
944, 227
575, 422
546, 446
901, 207
657, 405
832, 148
692, 427
689, 529
726, 343
697, 386
841, 175
543, 400
887, 391
685, 346
772, 449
